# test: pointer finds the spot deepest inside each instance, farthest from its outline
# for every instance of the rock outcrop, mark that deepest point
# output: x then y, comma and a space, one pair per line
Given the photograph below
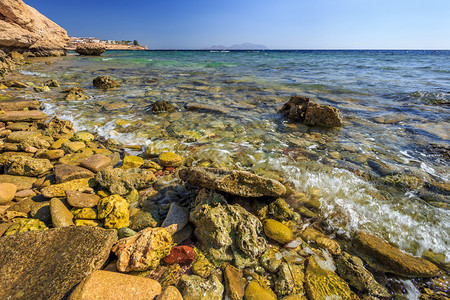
90, 49
301, 109
23, 28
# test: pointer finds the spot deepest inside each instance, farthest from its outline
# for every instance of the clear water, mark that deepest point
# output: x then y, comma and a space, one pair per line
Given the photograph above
395, 104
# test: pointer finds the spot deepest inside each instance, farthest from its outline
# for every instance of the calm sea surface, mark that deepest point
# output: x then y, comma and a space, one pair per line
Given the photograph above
396, 106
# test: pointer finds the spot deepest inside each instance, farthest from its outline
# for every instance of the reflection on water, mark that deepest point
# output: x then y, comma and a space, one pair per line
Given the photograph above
386, 170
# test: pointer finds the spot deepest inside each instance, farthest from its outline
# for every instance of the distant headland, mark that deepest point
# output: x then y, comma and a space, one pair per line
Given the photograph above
243, 46
75, 42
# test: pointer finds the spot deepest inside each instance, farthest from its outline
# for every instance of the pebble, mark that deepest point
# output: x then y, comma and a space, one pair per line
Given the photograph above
277, 231
81, 200
180, 255
61, 216
96, 162
7, 192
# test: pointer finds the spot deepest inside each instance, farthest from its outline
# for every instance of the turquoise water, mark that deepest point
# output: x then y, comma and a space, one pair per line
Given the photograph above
395, 104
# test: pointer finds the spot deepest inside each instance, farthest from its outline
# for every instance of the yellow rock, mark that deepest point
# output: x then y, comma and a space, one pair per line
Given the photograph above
132, 162
114, 211
23, 225
58, 143
277, 231
59, 190
256, 292
170, 159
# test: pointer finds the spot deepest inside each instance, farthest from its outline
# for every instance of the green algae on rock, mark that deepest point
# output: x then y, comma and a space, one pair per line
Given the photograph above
132, 162
170, 276
121, 182
289, 279
193, 287
277, 231
105, 82
59, 190
24, 225
114, 211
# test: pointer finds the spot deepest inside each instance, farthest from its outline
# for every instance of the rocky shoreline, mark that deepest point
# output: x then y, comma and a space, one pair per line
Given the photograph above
79, 215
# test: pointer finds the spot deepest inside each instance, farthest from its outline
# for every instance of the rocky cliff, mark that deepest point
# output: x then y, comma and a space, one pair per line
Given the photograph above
23, 28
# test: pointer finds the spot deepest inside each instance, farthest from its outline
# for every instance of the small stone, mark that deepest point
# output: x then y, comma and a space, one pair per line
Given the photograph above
277, 231
83, 136
163, 106
84, 222
254, 291
74, 159
7, 192
58, 143
50, 154
66, 172
119, 181
59, 129
79, 199
234, 282
170, 293
177, 215
87, 213
61, 216
169, 276
59, 190
143, 219
19, 136
22, 116
41, 89
312, 235
180, 255
96, 162
132, 162
114, 211
194, 287
23, 194
21, 182
271, 259
73, 147
52, 83
170, 159
24, 225
202, 267
105, 82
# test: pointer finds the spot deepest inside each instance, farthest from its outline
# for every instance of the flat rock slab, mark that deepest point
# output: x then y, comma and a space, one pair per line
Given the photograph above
392, 258
66, 172
239, 183
15, 105
99, 285
22, 116
22, 182
47, 264
59, 190
96, 162
81, 200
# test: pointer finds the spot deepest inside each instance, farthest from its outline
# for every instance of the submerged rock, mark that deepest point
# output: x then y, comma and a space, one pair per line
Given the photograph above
289, 279
47, 264
239, 183
194, 287
121, 182
163, 106
170, 159
229, 233
392, 258
277, 231
105, 82
142, 251
303, 110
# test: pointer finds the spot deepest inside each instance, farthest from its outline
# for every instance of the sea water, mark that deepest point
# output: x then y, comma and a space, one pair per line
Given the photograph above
395, 105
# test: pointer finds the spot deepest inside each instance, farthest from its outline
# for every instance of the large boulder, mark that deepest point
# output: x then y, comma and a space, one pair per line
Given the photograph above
239, 183
46, 264
23, 27
301, 109
121, 182
90, 49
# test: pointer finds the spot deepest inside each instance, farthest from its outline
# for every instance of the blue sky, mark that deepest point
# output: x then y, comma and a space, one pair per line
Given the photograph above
278, 24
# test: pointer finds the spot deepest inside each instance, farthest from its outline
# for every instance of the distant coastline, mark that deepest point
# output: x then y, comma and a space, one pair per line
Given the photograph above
75, 42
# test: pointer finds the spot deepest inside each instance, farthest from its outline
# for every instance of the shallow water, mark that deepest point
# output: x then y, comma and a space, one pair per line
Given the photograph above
395, 104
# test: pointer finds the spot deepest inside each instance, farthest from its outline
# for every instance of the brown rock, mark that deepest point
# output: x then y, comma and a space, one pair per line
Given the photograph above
61, 216
96, 162
180, 255
7, 192
112, 285
22, 116
234, 282
21, 182
24, 194
27, 166
23, 27
170, 293
303, 110
19, 104
90, 49
46, 264
58, 129
105, 82
59, 190
50, 154
19, 136
391, 257
81, 200
66, 172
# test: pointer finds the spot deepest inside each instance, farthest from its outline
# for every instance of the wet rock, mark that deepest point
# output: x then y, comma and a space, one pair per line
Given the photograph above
79, 199
143, 219
234, 282
289, 279
229, 233
312, 235
170, 276
83, 136
22, 116
163, 106
170, 293
7, 192
72, 147
61, 216
58, 143
254, 291
239, 183
170, 159
76, 96
35, 142
41, 89
403, 181
58, 129
52, 83
19, 104
180, 255
75, 158
114, 211
105, 82
21, 182
119, 181
27, 166
142, 251
380, 167
98, 286
79, 251
194, 287
438, 259
323, 283
96, 162
66, 172
202, 266
303, 110
19, 136
177, 215
25, 225
351, 269
277, 231
84, 222
90, 49
271, 259
392, 258
50, 154
281, 211
132, 162
59, 190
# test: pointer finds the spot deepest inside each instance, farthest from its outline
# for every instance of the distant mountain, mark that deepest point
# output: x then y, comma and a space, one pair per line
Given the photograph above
243, 46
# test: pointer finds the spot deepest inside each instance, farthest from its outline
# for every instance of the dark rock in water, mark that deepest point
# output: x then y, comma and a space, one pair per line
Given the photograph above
239, 183
392, 259
105, 82
46, 264
301, 109
90, 49
228, 233
163, 106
